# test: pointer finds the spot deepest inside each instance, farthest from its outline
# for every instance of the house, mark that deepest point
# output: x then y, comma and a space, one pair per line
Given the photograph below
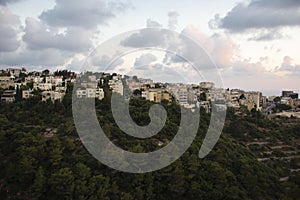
90, 93
26, 94
156, 95
8, 96
207, 85
116, 86
14, 71
256, 97
52, 95
43, 86
6, 82
55, 80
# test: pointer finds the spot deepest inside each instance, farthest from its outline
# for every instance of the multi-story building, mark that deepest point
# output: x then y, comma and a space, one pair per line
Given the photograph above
43, 86
116, 86
6, 82
207, 85
52, 95
156, 95
287, 93
8, 96
256, 97
26, 94
97, 93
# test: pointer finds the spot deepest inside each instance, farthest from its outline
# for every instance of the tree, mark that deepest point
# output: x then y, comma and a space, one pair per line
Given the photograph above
46, 72
99, 187
18, 94
62, 184
277, 99
38, 187
82, 174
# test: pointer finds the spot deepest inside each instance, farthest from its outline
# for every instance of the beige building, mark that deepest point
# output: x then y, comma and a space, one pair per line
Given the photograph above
52, 95
156, 95
26, 94
90, 93
6, 82
43, 86
207, 85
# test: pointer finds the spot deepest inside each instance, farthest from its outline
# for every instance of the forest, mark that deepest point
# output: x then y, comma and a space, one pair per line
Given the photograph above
42, 157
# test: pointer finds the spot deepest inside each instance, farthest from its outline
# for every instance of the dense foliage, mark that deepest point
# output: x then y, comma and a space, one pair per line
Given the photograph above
41, 157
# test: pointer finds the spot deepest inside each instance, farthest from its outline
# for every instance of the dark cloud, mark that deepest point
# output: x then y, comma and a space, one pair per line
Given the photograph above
87, 14
39, 36
5, 2
9, 30
259, 14
70, 25
58, 35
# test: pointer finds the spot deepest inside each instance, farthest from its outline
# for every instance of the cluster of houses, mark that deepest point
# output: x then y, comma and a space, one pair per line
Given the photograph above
53, 86
50, 86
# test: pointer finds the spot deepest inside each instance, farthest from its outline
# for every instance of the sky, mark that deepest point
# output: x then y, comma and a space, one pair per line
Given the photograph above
253, 43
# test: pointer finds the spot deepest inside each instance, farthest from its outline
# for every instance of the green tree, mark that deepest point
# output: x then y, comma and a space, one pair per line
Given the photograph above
38, 187
62, 184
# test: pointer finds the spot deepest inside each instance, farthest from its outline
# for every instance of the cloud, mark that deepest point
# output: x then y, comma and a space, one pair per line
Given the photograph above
259, 14
220, 48
106, 62
39, 36
5, 2
287, 64
88, 14
145, 38
153, 24
173, 20
33, 59
144, 61
288, 68
9, 30
267, 35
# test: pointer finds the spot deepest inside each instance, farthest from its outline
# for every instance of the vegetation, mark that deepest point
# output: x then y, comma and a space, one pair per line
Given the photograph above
41, 157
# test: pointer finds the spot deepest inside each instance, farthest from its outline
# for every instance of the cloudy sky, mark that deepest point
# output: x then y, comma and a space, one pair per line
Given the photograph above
254, 43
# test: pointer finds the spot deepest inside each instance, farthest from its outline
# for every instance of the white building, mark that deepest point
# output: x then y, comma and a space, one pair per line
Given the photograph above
43, 86
90, 93
116, 86
55, 80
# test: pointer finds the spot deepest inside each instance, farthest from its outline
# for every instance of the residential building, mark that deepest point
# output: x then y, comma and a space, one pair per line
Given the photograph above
43, 86
8, 96
116, 86
287, 93
207, 85
52, 95
26, 94
6, 82
97, 93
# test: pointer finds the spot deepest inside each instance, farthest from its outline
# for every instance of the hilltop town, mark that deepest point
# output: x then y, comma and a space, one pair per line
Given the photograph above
18, 84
